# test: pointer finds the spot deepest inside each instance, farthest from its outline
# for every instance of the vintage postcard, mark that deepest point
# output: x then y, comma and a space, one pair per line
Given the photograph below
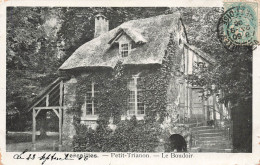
128, 82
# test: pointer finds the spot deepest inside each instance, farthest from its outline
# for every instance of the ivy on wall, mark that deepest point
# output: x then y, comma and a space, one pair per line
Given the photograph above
129, 135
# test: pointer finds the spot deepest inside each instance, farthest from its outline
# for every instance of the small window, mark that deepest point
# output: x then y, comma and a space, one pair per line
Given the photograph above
201, 65
135, 104
91, 103
124, 49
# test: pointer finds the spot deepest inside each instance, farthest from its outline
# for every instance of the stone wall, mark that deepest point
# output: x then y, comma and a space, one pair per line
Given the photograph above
172, 124
68, 130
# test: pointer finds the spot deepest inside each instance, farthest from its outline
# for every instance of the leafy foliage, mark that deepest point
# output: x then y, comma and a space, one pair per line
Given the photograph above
136, 136
132, 135
129, 136
40, 39
201, 26
232, 72
232, 75
32, 56
29, 34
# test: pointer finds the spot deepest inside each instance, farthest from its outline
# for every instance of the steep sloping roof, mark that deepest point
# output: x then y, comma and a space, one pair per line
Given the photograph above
42, 94
98, 53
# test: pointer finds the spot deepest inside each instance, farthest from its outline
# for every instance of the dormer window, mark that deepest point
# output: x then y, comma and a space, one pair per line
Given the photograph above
124, 49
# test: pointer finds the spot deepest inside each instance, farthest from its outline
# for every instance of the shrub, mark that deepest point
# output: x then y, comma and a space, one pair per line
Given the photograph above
129, 136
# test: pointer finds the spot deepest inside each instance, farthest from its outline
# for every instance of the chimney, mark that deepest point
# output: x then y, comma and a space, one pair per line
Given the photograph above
101, 25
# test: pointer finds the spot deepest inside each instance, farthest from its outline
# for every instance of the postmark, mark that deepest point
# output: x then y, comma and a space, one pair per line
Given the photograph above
239, 24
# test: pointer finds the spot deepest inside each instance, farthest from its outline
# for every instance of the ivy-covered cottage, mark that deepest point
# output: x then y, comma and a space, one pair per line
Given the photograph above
133, 80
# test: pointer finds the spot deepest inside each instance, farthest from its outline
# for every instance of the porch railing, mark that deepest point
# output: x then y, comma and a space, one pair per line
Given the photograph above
225, 124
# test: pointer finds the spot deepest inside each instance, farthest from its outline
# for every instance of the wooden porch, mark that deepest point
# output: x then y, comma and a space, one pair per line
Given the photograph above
196, 109
49, 99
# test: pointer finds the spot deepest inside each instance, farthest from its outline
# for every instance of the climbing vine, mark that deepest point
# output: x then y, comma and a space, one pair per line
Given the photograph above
128, 135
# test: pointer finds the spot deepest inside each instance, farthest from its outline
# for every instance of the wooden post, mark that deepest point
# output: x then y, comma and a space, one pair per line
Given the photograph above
185, 102
221, 107
60, 115
221, 111
180, 102
214, 109
61, 94
207, 111
182, 94
203, 107
190, 102
34, 130
47, 100
60, 129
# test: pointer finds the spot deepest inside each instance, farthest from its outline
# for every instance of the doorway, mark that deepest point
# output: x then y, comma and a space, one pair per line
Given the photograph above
196, 102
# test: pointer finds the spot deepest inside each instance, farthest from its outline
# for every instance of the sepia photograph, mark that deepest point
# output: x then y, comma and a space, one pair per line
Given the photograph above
130, 79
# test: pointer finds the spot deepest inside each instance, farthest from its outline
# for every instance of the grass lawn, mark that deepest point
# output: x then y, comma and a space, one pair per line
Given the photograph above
20, 141
18, 138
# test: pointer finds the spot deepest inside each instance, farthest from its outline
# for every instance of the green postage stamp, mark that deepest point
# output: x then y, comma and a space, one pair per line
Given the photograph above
241, 22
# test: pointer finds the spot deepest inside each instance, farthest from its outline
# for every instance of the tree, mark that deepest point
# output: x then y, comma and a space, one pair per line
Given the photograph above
232, 72
31, 54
